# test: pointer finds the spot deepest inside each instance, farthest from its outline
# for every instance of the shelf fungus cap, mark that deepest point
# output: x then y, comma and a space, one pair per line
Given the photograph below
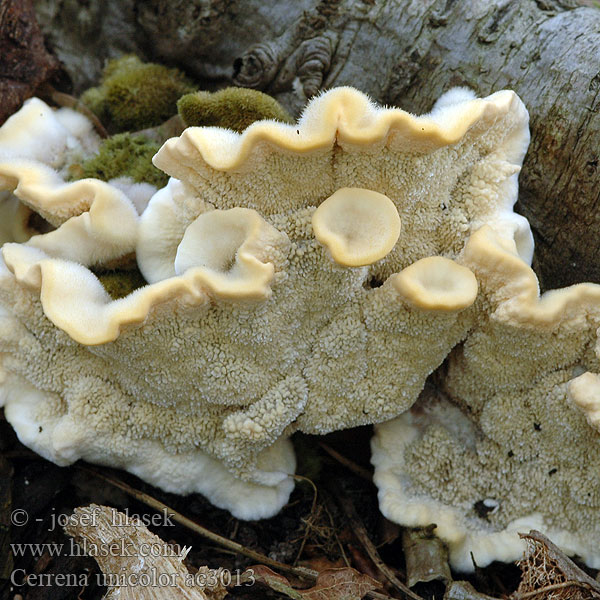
357, 226
230, 252
437, 283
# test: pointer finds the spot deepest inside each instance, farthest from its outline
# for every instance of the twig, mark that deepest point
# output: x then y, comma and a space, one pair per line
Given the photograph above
357, 469
62, 99
310, 518
328, 507
362, 535
302, 572
195, 527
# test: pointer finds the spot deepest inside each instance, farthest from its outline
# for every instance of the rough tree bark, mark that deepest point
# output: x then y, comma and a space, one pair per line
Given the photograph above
402, 52
24, 62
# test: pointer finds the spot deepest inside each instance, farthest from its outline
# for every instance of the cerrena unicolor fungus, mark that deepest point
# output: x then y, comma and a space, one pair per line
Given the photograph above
261, 317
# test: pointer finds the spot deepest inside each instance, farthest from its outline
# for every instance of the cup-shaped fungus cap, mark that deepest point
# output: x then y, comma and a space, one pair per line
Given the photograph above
437, 283
357, 226
229, 251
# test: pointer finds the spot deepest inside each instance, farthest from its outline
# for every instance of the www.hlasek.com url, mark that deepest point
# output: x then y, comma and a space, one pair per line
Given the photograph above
121, 548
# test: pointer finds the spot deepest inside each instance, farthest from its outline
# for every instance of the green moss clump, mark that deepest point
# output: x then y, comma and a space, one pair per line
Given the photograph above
121, 283
123, 155
135, 95
232, 107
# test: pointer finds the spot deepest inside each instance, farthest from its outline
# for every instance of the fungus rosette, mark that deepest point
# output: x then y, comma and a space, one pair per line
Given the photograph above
272, 303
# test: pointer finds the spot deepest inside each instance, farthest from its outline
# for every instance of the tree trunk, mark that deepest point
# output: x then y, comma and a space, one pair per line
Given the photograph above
404, 53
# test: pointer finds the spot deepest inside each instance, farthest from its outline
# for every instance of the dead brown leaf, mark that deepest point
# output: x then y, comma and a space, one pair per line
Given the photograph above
426, 557
548, 574
331, 584
463, 590
268, 577
341, 584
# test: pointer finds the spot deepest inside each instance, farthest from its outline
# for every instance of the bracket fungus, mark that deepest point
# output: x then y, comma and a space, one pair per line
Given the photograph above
502, 444
247, 330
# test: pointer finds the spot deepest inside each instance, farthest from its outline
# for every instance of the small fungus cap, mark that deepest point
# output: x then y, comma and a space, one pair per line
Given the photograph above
227, 249
437, 283
357, 226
